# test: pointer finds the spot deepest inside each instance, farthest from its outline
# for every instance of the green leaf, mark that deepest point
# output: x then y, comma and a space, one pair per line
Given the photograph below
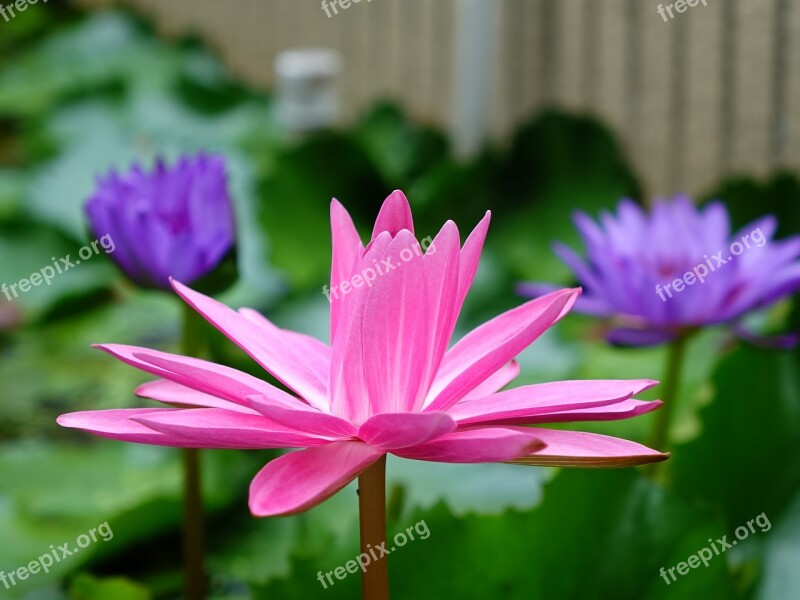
399, 149
781, 578
597, 535
557, 164
19, 33
482, 489
52, 369
105, 49
747, 200
295, 203
38, 252
746, 460
207, 86
86, 587
12, 185
600, 360
135, 490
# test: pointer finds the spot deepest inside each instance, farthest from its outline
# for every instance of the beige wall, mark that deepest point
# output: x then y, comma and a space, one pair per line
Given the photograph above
715, 90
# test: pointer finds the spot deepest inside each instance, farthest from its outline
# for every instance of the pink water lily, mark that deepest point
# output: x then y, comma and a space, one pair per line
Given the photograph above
387, 384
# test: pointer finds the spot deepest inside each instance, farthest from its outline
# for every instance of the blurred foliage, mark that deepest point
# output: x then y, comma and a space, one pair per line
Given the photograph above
82, 94
748, 200
615, 529
755, 427
86, 587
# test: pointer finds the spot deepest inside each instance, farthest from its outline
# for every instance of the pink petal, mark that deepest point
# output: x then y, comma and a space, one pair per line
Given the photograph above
391, 431
348, 388
470, 257
580, 449
621, 410
397, 336
495, 382
221, 381
441, 262
300, 480
276, 353
347, 248
181, 396
303, 418
394, 216
116, 424
484, 350
215, 428
519, 404
201, 375
490, 444
315, 354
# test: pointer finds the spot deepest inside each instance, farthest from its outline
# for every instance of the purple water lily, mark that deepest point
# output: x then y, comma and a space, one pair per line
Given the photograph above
174, 221
661, 275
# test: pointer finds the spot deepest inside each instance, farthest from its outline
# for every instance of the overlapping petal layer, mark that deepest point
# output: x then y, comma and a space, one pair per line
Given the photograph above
386, 384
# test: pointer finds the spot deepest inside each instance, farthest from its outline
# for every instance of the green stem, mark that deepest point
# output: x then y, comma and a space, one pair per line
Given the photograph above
659, 435
193, 527
372, 517
193, 523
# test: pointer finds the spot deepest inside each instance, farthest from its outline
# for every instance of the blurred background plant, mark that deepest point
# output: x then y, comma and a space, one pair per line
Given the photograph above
81, 92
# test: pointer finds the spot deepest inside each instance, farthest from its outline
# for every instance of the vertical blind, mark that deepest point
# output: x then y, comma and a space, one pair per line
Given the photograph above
713, 91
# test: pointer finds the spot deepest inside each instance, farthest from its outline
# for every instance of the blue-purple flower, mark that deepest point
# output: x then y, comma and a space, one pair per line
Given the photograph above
174, 221
658, 276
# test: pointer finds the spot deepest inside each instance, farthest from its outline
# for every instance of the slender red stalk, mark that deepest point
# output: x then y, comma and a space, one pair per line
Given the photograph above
372, 516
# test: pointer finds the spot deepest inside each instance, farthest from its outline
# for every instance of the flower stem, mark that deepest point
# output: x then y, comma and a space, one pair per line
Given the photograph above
659, 435
193, 525
372, 517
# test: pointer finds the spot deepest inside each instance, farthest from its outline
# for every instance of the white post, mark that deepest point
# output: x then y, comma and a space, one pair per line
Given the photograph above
475, 33
307, 94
